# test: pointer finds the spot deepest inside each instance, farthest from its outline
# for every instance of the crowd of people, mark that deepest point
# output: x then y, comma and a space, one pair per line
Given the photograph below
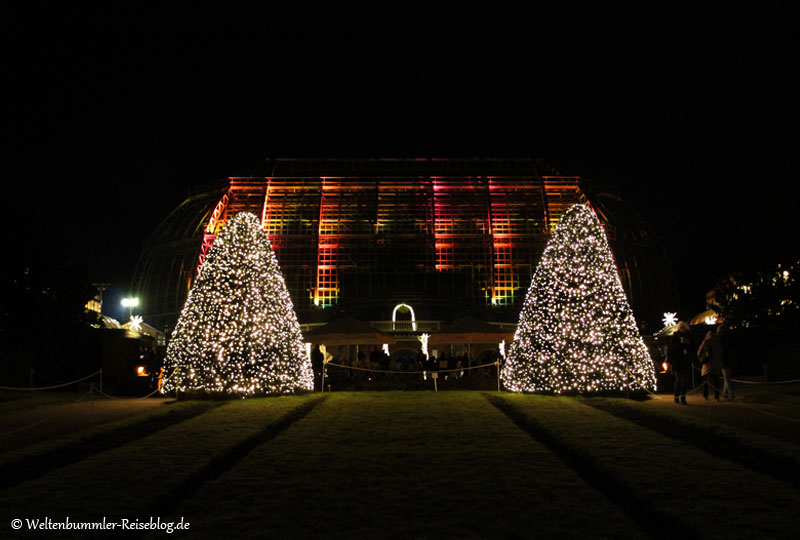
713, 358
376, 364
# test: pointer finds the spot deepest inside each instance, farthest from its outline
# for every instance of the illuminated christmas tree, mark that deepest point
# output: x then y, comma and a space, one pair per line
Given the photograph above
576, 332
238, 332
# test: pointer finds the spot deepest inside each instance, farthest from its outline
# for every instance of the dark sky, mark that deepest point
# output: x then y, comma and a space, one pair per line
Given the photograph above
691, 116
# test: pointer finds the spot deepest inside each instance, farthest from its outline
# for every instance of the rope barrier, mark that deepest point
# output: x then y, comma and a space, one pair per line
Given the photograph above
768, 413
713, 387
640, 383
139, 397
757, 409
765, 382
410, 372
659, 396
91, 392
50, 387
106, 395
120, 397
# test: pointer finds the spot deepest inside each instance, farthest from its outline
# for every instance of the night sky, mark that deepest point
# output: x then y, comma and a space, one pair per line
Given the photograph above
692, 117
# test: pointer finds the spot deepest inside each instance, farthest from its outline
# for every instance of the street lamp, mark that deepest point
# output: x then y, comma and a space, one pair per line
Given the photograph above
130, 303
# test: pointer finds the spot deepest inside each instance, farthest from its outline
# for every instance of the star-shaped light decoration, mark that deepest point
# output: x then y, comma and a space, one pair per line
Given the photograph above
670, 319
136, 322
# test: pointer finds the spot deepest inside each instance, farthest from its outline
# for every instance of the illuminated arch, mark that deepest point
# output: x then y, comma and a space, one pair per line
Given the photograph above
413, 317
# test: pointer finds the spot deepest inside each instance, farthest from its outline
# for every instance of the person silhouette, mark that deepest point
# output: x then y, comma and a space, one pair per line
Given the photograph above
679, 360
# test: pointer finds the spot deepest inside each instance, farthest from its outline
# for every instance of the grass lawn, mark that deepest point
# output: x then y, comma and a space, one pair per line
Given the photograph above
682, 486
770, 455
769, 409
410, 465
33, 460
404, 465
143, 477
29, 425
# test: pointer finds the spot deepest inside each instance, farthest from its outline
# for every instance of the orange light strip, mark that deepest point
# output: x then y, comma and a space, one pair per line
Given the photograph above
217, 214
326, 289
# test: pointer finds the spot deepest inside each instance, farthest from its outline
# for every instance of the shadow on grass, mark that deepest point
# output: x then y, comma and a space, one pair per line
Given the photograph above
170, 503
707, 438
38, 464
652, 522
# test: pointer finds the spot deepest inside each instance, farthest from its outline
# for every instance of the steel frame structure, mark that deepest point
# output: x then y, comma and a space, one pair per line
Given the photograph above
473, 229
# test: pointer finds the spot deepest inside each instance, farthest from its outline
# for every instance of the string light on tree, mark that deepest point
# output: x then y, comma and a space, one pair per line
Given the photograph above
238, 332
576, 331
